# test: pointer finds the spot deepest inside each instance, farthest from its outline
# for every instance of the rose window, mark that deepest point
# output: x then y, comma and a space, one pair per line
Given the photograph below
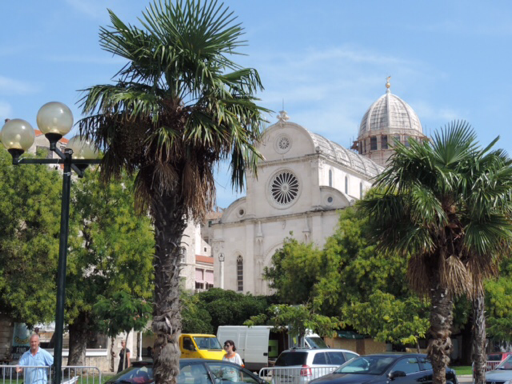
284, 188
284, 143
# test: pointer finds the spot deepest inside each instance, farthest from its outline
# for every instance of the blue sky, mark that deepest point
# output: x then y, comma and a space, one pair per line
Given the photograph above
326, 60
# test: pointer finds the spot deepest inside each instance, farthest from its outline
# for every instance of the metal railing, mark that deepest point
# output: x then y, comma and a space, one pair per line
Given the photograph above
12, 374
295, 375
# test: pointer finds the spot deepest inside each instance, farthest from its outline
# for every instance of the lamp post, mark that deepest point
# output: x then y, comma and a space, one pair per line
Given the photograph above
55, 120
221, 260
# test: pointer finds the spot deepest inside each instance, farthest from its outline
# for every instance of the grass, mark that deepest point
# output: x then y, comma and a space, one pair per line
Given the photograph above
463, 370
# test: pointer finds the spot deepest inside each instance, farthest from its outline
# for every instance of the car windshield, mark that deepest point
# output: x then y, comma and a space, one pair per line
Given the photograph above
207, 342
140, 375
505, 364
316, 342
367, 365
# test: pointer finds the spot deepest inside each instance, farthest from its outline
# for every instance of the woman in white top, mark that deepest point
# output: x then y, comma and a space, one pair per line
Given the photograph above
233, 357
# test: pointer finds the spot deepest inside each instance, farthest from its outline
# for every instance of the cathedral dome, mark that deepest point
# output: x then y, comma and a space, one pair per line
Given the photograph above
390, 113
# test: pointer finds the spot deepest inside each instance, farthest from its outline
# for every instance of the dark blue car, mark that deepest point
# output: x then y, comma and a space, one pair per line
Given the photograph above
192, 371
386, 368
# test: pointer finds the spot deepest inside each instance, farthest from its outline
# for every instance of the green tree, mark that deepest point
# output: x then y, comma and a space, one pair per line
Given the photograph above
297, 319
498, 305
29, 240
178, 107
294, 271
195, 318
122, 312
223, 307
388, 319
350, 279
111, 251
445, 204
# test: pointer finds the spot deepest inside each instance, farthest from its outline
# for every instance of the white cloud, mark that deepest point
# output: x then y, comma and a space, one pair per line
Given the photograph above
10, 86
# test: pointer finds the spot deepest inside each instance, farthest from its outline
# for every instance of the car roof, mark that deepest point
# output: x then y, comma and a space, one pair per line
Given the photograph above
318, 350
145, 363
198, 334
399, 354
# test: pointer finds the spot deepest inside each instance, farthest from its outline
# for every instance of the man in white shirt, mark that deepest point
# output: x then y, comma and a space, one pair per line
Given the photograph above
35, 357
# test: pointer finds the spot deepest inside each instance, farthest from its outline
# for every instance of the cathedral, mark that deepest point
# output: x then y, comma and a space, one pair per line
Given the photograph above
302, 183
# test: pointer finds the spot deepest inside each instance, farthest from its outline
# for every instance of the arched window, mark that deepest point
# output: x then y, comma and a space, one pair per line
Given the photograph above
360, 190
330, 177
240, 274
346, 185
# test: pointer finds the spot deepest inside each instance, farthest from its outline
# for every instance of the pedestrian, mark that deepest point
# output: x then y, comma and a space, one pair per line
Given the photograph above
124, 361
35, 357
230, 373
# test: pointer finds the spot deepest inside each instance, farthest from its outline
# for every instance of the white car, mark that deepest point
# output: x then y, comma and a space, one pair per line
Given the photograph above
501, 374
300, 365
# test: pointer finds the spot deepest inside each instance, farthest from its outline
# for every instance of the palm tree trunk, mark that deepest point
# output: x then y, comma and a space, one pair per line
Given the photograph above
169, 217
112, 354
440, 343
479, 340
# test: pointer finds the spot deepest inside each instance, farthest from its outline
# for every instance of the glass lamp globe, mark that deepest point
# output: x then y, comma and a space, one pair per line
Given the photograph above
17, 134
54, 119
82, 148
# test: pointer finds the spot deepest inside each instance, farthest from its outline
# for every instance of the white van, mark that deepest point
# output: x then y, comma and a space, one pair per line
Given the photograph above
258, 346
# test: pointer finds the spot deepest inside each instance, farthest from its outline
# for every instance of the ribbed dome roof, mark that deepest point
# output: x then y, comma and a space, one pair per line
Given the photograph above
344, 156
390, 112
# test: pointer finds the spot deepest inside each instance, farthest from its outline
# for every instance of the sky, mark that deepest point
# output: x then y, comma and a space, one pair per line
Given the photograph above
324, 61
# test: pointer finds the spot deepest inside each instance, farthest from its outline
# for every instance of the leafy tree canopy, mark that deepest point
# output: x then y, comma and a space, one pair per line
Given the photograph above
220, 307
30, 201
111, 249
352, 281
498, 304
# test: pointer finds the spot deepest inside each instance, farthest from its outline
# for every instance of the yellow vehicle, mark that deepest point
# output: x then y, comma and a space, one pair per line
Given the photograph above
200, 346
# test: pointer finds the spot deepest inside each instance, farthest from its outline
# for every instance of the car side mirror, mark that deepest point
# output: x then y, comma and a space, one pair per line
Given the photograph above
395, 374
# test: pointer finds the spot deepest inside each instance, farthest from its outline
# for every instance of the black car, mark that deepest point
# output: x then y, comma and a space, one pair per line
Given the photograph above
399, 368
192, 371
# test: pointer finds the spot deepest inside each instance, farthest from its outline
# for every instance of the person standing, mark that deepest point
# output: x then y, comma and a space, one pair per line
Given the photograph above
230, 373
35, 357
122, 358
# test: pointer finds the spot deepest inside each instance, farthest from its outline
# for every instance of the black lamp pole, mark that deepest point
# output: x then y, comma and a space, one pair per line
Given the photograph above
55, 120
78, 165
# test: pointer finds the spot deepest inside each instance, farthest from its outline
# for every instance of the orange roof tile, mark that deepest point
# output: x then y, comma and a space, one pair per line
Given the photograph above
204, 259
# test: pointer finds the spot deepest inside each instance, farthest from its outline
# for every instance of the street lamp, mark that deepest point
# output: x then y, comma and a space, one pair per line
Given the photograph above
55, 120
221, 260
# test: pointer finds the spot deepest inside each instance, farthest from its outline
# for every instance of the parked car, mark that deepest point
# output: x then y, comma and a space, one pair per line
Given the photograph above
201, 346
400, 368
192, 371
493, 359
502, 373
300, 365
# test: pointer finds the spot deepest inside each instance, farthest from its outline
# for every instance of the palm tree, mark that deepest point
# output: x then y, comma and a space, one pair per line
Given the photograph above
445, 204
177, 108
